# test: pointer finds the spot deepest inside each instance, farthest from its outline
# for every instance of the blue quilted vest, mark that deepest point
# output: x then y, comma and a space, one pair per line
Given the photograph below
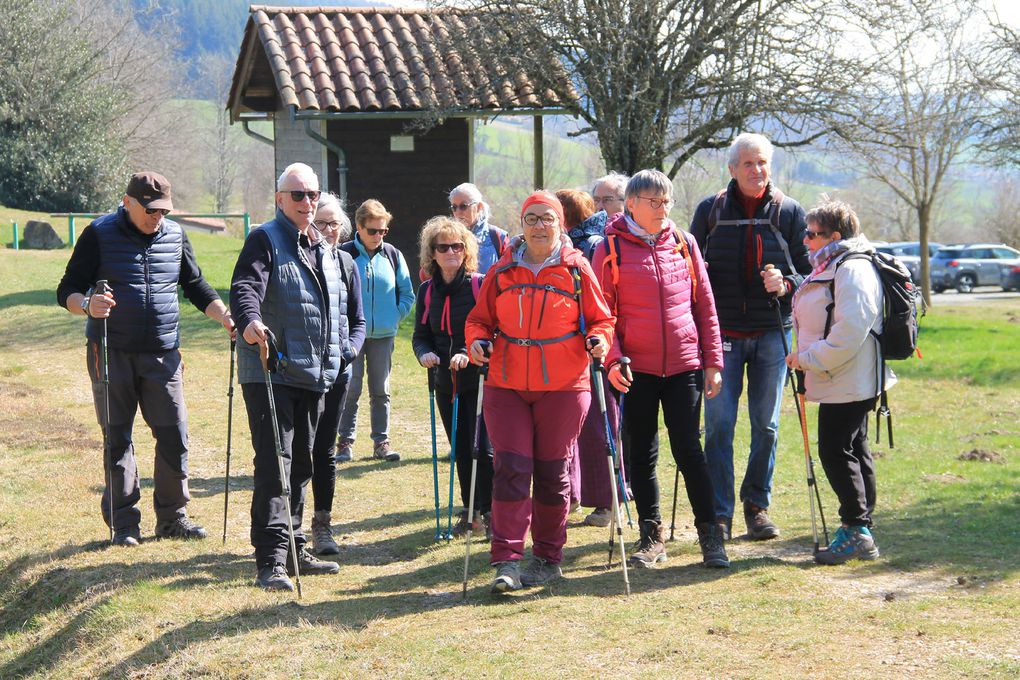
144, 278
306, 320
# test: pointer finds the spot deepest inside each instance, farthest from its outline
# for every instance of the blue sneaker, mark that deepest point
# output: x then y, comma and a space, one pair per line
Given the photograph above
849, 543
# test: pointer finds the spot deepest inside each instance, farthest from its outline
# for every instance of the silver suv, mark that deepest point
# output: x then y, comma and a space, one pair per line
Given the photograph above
965, 266
909, 253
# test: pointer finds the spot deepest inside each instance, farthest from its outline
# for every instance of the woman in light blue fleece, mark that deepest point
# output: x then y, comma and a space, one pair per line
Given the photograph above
471, 210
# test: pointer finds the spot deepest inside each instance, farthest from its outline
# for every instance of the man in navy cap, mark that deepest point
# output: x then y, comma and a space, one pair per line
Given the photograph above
143, 257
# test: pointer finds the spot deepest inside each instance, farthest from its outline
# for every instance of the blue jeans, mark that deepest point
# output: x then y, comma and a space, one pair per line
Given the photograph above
766, 374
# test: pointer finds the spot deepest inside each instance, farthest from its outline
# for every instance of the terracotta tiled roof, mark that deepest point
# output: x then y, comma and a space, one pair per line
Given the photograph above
374, 59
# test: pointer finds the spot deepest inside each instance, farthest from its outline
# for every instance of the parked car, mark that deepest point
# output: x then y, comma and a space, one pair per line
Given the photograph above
1010, 277
969, 265
909, 253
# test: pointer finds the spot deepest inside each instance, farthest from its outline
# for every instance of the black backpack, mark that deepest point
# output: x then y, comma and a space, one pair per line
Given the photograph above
900, 319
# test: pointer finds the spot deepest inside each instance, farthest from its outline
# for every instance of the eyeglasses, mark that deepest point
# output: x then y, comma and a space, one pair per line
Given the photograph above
446, 247
298, 196
152, 211
455, 207
599, 200
657, 203
376, 232
532, 220
323, 225
812, 235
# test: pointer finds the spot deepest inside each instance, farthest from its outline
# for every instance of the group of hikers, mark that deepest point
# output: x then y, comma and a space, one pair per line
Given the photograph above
528, 323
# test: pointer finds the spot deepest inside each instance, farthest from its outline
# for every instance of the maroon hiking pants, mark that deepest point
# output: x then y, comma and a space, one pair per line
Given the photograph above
532, 435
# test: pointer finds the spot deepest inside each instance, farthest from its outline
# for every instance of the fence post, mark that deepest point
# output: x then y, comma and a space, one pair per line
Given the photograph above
70, 229
247, 224
16, 246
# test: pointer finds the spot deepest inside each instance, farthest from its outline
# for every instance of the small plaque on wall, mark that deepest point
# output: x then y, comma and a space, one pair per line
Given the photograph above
401, 143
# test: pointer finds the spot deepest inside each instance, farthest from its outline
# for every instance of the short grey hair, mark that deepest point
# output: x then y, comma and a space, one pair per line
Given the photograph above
331, 200
473, 193
650, 181
614, 179
748, 141
294, 169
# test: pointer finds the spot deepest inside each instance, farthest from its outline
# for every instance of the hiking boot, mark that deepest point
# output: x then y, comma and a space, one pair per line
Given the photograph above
726, 527
652, 547
574, 507
344, 450
311, 565
322, 534
461, 527
539, 572
599, 517
849, 543
179, 527
508, 577
273, 577
384, 452
759, 526
487, 524
129, 537
713, 552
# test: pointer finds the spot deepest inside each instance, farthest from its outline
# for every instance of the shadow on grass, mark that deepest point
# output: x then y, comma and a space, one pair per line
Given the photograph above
41, 298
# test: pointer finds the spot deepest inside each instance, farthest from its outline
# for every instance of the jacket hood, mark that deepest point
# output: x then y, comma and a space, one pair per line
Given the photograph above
594, 225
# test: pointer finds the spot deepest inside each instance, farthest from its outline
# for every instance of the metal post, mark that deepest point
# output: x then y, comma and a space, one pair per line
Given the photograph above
16, 246
247, 224
70, 229
539, 153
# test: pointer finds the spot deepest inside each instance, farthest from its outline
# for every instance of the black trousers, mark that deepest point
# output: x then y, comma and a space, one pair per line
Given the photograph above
846, 458
679, 396
468, 402
298, 412
324, 448
154, 382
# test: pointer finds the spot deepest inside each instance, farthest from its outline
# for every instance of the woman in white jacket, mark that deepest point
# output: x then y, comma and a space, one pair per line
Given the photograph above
837, 314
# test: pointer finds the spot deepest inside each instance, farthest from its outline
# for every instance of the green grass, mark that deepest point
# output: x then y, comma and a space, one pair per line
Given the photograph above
939, 603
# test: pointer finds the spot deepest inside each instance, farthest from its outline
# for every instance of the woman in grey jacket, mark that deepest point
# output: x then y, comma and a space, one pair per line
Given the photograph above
837, 314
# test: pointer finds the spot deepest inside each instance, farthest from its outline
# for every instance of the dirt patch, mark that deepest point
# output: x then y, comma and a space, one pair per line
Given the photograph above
944, 478
982, 456
27, 421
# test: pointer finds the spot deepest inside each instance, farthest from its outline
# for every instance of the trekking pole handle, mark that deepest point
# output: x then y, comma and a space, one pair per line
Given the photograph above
271, 362
486, 346
432, 378
625, 369
102, 287
800, 381
591, 343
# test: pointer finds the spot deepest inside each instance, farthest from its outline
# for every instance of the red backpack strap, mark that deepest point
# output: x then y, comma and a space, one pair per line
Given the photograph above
427, 301
476, 284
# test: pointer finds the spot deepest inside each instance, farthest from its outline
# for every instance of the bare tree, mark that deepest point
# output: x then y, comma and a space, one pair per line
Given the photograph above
222, 143
659, 80
1000, 73
916, 114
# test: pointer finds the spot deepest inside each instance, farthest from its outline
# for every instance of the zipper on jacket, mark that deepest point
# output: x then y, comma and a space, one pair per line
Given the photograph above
662, 305
370, 275
324, 305
148, 295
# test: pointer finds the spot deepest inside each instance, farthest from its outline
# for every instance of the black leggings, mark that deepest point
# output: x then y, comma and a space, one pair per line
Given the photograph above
679, 396
846, 458
468, 402
324, 449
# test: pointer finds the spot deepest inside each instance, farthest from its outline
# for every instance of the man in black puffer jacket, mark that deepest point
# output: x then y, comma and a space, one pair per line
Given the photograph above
144, 257
752, 238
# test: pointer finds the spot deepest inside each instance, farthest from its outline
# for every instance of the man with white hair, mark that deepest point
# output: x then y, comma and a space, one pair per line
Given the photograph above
287, 281
752, 238
608, 191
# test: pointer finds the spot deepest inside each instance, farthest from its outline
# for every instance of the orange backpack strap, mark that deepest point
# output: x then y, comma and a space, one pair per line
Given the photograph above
683, 247
612, 259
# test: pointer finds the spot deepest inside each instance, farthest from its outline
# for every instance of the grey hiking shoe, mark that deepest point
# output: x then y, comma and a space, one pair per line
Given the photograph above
849, 543
179, 527
344, 450
129, 537
508, 577
273, 577
599, 517
713, 552
383, 451
651, 549
759, 526
322, 534
539, 572
311, 565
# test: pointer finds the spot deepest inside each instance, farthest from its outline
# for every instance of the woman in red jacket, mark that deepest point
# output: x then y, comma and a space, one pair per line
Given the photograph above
538, 305
654, 279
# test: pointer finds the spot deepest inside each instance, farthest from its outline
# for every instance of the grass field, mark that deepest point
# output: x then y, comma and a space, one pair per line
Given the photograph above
940, 603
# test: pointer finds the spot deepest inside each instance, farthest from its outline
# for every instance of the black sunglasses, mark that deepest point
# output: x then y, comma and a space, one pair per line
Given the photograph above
376, 232
446, 247
152, 211
299, 196
811, 235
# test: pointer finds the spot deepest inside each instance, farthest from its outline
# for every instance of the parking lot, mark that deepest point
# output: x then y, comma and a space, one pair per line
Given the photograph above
982, 294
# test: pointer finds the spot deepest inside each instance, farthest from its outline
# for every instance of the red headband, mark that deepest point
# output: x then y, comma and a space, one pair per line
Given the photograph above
544, 198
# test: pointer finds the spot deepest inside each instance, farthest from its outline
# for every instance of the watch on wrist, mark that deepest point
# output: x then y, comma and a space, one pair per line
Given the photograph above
85, 302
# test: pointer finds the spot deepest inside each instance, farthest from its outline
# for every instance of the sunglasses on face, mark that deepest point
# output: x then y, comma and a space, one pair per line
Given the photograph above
376, 232
456, 207
152, 211
812, 235
298, 196
447, 247
546, 220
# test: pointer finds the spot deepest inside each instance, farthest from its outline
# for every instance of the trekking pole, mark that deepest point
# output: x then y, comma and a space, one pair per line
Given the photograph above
230, 420
435, 454
483, 371
453, 456
270, 356
102, 288
618, 453
617, 521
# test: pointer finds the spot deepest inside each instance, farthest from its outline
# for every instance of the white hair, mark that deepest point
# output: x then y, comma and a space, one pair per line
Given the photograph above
748, 141
473, 193
617, 181
331, 200
295, 169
